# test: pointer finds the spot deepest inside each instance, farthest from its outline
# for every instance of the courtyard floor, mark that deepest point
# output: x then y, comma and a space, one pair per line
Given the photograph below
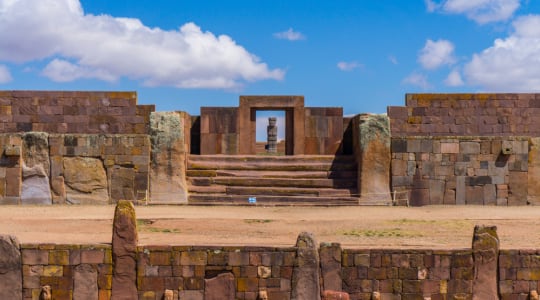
434, 227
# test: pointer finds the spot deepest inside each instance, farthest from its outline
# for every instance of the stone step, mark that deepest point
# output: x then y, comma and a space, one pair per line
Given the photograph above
272, 174
210, 199
273, 158
272, 163
274, 182
272, 191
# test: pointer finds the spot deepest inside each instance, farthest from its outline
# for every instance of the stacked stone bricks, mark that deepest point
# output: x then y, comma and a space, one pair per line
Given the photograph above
465, 148
72, 271
73, 112
467, 115
408, 274
184, 270
104, 133
519, 273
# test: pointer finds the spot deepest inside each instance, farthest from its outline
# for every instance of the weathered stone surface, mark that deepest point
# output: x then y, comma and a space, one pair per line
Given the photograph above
168, 180
534, 171
168, 295
58, 190
35, 186
124, 252
36, 150
45, 293
335, 295
88, 187
485, 248
122, 183
221, 287
85, 285
372, 150
330, 256
306, 273
10, 268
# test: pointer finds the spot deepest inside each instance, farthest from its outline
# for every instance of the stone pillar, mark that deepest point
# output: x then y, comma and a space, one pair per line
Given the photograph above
485, 247
10, 268
36, 169
271, 131
371, 140
124, 252
330, 255
306, 273
169, 154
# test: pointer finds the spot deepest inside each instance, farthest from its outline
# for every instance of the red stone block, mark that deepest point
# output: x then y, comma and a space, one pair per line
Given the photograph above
92, 256
335, 295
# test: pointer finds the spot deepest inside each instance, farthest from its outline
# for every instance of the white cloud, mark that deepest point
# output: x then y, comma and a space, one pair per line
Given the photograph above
348, 66
289, 35
393, 59
417, 79
436, 54
5, 75
108, 48
454, 79
511, 64
431, 6
481, 11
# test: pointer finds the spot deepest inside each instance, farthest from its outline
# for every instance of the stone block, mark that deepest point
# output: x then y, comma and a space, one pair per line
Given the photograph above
10, 268
85, 283
330, 257
474, 195
221, 287
452, 147
485, 255
124, 252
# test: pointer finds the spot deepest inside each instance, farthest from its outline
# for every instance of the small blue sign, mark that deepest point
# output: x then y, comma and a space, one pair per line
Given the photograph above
252, 200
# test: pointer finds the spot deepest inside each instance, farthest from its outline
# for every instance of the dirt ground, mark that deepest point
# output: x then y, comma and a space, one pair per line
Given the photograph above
435, 227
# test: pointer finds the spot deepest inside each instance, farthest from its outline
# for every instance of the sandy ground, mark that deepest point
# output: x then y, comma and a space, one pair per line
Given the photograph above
353, 227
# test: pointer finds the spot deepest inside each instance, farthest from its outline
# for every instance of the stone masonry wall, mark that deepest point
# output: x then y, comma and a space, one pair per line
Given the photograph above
452, 170
323, 130
186, 270
467, 115
71, 271
79, 271
73, 112
466, 149
115, 167
408, 274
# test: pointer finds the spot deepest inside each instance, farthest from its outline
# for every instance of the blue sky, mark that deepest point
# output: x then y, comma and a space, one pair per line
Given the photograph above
359, 54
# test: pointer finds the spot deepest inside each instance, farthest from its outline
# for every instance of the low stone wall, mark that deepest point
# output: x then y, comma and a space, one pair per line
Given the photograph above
307, 270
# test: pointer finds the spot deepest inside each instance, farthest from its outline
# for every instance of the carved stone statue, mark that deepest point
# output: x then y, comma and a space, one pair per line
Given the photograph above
271, 131
45, 293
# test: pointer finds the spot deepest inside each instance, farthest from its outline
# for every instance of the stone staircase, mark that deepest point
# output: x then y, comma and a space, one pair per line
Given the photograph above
323, 180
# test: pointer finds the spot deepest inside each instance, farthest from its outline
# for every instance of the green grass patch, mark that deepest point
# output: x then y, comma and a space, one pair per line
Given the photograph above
258, 221
381, 233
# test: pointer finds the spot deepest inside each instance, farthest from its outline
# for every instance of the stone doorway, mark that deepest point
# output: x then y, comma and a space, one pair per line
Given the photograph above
293, 106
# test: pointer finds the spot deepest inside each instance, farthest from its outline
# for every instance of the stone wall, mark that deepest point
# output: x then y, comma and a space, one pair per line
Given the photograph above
467, 115
460, 170
323, 130
199, 272
41, 168
186, 270
466, 149
73, 112
71, 271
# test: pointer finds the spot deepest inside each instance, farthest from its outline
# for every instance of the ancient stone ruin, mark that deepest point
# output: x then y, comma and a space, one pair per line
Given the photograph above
101, 147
